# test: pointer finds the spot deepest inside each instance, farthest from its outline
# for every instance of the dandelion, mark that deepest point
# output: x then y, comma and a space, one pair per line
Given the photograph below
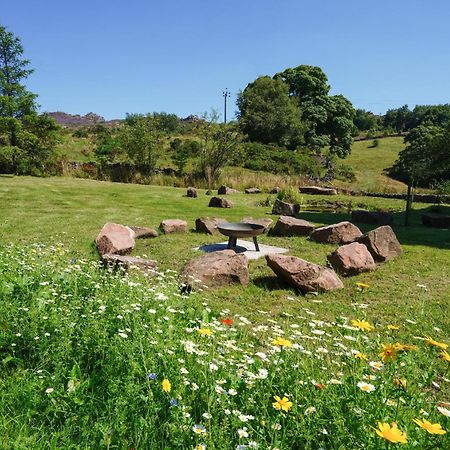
393, 327
400, 382
281, 342
205, 331
432, 428
391, 433
166, 386
430, 341
388, 352
366, 387
362, 285
282, 403
445, 356
199, 429
362, 325
360, 355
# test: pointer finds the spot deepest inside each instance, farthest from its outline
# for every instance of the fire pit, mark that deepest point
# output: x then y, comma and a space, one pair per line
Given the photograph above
240, 230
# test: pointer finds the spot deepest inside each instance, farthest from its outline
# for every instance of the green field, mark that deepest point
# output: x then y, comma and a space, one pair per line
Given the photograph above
93, 359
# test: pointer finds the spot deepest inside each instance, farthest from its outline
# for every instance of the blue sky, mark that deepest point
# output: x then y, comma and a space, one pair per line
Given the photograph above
114, 57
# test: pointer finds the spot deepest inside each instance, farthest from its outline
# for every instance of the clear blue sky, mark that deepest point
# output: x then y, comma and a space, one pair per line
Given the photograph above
114, 57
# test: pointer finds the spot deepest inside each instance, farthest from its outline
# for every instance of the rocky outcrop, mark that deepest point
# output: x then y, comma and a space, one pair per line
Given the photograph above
372, 217
290, 226
317, 190
144, 232
131, 263
191, 192
217, 269
285, 209
351, 259
338, 233
382, 244
116, 239
207, 225
173, 226
218, 202
266, 223
303, 275
225, 190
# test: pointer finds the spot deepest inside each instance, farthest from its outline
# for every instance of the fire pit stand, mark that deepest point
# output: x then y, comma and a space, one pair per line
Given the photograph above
240, 230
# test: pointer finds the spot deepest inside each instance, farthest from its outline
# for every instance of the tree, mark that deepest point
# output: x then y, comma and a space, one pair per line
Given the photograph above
217, 146
400, 119
426, 157
366, 120
267, 114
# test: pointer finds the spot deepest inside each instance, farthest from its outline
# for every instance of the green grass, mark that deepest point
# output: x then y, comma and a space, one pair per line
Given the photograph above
77, 342
369, 163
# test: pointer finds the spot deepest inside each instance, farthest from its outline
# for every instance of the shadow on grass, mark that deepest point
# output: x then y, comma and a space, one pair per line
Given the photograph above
271, 283
414, 234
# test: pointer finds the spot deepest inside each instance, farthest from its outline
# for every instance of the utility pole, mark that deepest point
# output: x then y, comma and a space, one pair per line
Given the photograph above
225, 95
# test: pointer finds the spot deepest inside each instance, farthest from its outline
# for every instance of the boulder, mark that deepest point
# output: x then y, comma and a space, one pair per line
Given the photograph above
173, 226
275, 190
218, 202
285, 209
436, 220
191, 192
303, 275
351, 259
373, 217
317, 190
225, 190
382, 244
207, 225
116, 239
147, 266
144, 232
216, 269
290, 226
338, 233
252, 191
266, 223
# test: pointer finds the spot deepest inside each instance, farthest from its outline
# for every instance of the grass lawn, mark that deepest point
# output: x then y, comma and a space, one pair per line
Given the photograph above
92, 359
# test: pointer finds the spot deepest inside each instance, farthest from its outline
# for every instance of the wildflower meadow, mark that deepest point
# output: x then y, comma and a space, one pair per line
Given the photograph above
94, 358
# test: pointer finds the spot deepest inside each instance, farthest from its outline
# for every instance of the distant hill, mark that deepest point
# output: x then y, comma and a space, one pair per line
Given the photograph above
75, 120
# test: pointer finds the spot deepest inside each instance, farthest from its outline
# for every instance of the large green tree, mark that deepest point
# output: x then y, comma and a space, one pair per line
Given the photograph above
27, 140
267, 114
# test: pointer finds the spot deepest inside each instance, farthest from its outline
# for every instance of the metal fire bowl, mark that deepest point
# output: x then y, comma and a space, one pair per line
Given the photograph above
241, 230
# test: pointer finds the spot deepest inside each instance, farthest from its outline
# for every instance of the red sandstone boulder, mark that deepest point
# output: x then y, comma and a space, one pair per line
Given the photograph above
218, 202
373, 217
116, 239
290, 226
252, 191
285, 209
173, 226
338, 233
225, 190
266, 223
144, 232
382, 243
301, 274
351, 259
317, 190
217, 269
131, 262
191, 192
208, 225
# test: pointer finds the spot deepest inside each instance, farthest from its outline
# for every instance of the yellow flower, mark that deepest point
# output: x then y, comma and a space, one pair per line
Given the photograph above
404, 347
360, 355
445, 356
400, 382
205, 331
391, 433
362, 325
166, 386
431, 341
362, 285
282, 403
432, 428
281, 342
393, 327
388, 352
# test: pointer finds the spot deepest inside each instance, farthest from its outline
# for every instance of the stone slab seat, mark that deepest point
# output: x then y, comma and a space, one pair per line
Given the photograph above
115, 239
317, 190
290, 226
143, 232
217, 269
207, 224
303, 275
285, 208
173, 226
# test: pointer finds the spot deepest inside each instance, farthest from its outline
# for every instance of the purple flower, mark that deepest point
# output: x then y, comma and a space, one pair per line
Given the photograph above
152, 376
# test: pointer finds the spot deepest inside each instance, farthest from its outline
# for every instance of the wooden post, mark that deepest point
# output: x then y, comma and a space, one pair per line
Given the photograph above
408, 204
